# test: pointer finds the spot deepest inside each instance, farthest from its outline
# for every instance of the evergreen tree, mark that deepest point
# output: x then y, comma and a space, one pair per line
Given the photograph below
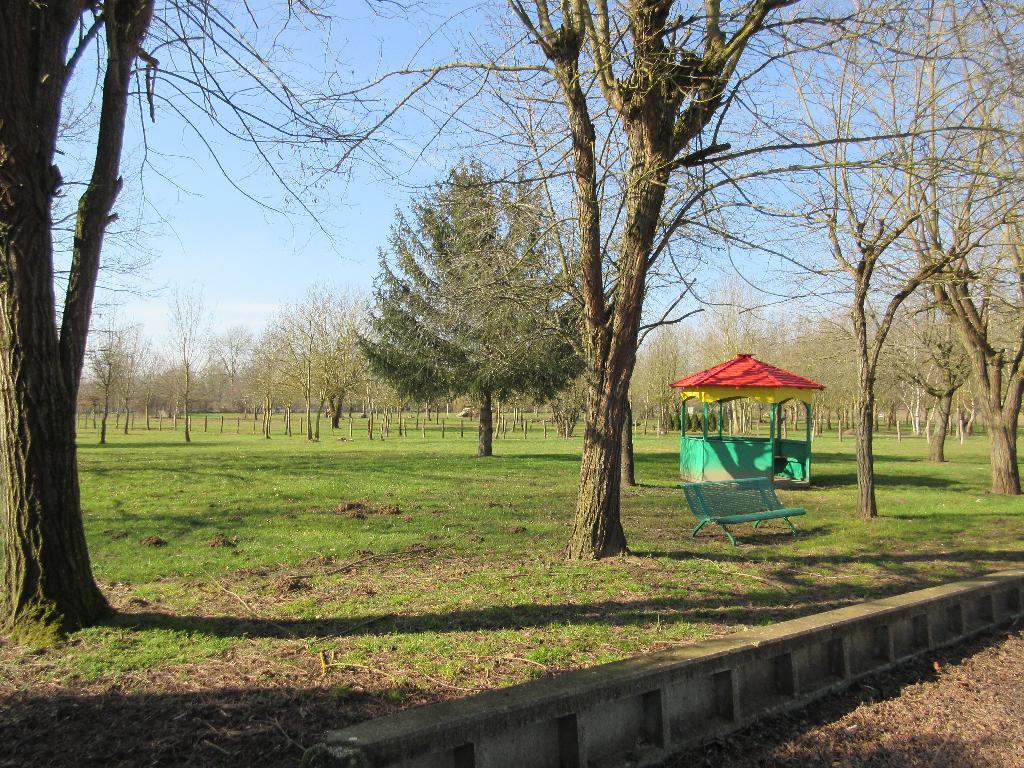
465, 303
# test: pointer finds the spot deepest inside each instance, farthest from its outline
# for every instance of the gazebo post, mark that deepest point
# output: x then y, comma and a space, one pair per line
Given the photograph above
810, 436
719, 419
707, 416
772, 421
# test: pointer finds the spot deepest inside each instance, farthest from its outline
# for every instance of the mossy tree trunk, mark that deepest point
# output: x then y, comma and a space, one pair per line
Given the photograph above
48, 587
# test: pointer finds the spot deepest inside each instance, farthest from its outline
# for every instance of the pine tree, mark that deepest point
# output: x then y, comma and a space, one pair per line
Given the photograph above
465, 303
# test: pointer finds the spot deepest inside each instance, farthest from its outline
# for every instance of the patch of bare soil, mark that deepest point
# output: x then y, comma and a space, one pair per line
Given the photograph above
959, 708
153, 541
359, 510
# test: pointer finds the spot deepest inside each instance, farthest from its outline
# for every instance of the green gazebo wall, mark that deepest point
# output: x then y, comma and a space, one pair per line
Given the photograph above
735, 458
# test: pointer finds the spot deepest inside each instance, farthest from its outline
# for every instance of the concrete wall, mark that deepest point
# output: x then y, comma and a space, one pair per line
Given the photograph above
641, 710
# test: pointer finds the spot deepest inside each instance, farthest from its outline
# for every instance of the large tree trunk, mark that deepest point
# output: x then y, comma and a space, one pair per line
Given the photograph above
597, 530
1001, 390
485, 447
611, 349
937, 446
611, 352
627, 467
48, 586
337, 408
1003, 449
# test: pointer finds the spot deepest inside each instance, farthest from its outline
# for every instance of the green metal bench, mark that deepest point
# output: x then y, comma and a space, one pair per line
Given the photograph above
729, 502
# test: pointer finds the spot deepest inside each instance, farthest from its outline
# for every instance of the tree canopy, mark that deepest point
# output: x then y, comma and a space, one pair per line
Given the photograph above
466, 302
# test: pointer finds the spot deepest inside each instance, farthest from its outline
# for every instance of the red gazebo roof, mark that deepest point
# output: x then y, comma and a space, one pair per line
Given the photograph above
746, 371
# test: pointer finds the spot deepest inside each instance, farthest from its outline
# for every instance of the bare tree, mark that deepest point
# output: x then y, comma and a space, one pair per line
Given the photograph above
988, 308
106, 359
263, 376
660, 78
188, 334
338, 362
230, 353
929, 355
970, 187
47, 578
861, 188
296, 340
149, 377
133, 356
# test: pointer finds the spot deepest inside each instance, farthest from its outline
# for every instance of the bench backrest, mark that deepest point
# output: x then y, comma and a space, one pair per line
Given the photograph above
731, 497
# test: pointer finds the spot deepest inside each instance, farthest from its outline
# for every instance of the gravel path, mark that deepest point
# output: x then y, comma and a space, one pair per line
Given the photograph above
960, 708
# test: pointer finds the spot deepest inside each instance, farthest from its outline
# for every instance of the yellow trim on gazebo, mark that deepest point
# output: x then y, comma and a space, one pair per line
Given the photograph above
761, 394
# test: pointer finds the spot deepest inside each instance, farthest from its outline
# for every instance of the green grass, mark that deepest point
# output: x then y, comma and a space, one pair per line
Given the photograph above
463, 587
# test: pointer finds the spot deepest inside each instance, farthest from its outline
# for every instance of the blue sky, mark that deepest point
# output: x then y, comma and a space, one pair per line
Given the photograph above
200, 232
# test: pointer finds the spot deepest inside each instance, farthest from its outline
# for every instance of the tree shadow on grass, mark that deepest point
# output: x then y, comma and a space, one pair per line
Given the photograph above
822, 479
884, 560
638, 613
779, 593
510, 457
884, 458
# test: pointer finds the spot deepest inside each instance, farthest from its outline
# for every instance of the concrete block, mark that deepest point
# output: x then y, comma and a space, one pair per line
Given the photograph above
638, 711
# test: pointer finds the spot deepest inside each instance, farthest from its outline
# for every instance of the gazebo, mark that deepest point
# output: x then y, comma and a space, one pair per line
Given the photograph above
712, 455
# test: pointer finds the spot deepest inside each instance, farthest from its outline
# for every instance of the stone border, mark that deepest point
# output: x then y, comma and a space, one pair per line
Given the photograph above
642, 710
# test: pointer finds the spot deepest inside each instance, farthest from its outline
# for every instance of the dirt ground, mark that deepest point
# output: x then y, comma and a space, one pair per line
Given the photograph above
959, 708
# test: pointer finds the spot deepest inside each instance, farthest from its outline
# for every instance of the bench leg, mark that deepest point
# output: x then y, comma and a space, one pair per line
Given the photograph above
732, 539
791, 526
696, 530
757, 523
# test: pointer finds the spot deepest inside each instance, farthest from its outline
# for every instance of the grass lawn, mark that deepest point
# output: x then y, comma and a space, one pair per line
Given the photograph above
268, 589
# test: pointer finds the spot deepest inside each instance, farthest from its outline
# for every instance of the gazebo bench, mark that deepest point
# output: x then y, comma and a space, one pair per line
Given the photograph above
729, 502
